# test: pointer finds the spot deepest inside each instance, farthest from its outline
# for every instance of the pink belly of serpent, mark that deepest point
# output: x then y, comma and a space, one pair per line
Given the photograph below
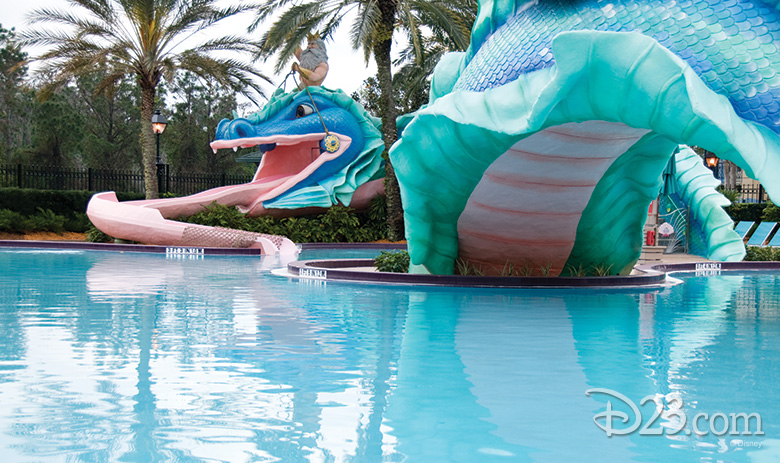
523, 214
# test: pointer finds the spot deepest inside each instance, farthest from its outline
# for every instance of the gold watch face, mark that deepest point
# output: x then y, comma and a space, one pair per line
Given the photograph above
331, 143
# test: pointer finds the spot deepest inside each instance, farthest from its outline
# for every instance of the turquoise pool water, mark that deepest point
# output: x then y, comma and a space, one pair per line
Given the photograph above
142, 358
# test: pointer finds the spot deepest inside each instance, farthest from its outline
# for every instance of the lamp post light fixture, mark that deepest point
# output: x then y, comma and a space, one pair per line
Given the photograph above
712, 161
158, 126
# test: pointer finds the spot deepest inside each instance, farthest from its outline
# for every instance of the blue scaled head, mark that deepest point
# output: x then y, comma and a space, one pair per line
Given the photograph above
321, 132
238, 129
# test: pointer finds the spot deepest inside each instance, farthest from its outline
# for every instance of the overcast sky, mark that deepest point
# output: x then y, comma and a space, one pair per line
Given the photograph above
347, 68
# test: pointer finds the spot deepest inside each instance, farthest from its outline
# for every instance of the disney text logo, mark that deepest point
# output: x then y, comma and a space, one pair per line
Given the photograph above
670, 408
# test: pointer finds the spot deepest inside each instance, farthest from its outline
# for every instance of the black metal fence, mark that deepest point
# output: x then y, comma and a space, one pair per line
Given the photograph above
179, 183
64, 178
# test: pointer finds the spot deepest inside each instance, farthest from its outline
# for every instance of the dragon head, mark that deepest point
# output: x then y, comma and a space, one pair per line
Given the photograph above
320, 143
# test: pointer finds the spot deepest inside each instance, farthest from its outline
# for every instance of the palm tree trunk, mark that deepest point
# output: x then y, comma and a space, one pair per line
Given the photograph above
383, 44
148, 155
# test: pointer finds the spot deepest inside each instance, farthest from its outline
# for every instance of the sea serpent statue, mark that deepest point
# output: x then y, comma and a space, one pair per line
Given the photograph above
320, 148
543, 143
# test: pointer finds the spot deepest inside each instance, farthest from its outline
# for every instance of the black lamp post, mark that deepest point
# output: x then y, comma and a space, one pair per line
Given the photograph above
158, 126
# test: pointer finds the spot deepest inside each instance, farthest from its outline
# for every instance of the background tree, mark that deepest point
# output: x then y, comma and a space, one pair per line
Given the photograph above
368, 95
111, 125
15, 100
198, 108
56, 132
409, 95
142, 38
372, 31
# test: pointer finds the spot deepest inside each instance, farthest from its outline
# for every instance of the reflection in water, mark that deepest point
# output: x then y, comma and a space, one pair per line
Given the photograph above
687, 343
133, 357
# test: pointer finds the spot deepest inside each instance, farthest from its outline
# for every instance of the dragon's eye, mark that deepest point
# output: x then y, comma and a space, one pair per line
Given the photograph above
303, 110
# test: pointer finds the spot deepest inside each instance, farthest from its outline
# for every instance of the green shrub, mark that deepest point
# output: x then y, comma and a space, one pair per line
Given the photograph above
42, 220
12, 222
96, 236
392, 261
79, 223
66, 203
48, 210
377, 210
217, 215
339, 225
767, 253
46, 220
466, 268
731, 195
746, 212
336, 225
602, 270
24, 212
771, 213
578, 271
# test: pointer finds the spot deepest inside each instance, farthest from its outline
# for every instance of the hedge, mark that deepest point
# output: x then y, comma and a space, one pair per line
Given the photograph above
746, 212
29, 210
66, 203
765, 253
338, 224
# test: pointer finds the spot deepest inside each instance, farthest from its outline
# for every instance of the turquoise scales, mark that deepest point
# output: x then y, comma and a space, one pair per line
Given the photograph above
548, 137
732, 45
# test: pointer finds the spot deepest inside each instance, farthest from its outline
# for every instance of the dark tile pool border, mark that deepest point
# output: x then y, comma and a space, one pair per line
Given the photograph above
339, 270
84, 246
337, 246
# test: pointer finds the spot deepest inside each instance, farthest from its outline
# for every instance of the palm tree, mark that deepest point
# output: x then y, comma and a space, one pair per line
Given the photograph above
145, 38
413, 77
372, 31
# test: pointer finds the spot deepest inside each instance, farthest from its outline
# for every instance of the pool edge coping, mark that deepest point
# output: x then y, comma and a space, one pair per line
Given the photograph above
333, 270
116, 247
653, 275
162, 249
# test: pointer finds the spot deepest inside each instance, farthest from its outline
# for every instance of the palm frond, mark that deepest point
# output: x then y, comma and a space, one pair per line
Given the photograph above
266, 10
335, 15
412, 24
453, 19
168, 67
364, 28
287, 52
233, 43
100, 8
289, 25
109, 82
51, 15
230, 73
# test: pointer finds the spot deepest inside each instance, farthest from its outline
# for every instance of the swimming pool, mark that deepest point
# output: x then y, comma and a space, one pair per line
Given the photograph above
109, 356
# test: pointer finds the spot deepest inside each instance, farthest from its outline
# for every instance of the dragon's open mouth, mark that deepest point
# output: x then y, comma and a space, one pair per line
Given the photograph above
288, 156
